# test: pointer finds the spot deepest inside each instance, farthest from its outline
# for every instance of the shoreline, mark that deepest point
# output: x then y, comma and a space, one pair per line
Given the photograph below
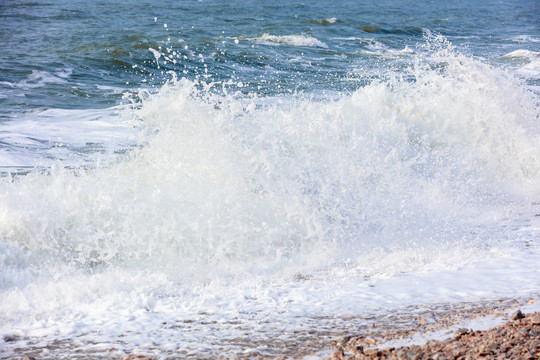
439, 324
517, 338
410, 329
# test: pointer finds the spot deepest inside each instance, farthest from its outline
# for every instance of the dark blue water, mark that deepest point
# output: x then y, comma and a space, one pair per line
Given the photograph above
69, 54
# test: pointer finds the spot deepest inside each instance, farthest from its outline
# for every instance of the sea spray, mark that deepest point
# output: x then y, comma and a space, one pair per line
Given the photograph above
236, 184
301, 178
310, 171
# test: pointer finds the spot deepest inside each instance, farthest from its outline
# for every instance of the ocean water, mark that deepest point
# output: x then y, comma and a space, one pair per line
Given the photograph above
223, 179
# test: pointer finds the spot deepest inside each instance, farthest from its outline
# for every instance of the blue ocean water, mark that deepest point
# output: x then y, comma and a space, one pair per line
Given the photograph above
79, 49
194, 178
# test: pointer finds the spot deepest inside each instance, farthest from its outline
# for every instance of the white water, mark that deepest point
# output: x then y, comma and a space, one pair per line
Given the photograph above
66, 137
293, 40
248, 217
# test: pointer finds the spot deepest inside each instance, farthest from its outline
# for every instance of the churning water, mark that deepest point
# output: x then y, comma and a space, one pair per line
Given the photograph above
190, 179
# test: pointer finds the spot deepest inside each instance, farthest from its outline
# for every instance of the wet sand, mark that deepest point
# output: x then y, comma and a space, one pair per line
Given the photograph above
518, 338
437, 331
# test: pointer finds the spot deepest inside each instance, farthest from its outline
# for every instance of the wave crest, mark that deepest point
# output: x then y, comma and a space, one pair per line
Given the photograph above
293, 40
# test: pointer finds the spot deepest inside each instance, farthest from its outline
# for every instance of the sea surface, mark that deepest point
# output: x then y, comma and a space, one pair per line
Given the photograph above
228, 178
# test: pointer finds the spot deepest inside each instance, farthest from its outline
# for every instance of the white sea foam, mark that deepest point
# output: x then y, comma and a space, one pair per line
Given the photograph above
528, 63
521, 53
372, 47
39, 78
327, 21
156, 54
43, 138
248, 218
294, 40
384, 51
524, 39
111, 89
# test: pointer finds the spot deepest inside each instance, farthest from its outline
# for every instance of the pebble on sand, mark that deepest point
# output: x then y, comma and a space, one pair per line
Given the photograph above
519, 338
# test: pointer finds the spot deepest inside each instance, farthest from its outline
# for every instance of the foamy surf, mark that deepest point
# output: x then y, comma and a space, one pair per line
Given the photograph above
527, 63
526, 54
327, 21
238, 214
525, 39
67, 137
293, 40
271, 184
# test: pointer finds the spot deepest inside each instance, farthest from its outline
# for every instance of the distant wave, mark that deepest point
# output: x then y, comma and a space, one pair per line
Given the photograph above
524, 38
529, 62
328, 21
39, 78
405, 31
386, 52
294, 40
521, 53
377, 48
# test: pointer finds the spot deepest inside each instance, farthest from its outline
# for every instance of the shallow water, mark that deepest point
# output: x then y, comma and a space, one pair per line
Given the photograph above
193, 178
